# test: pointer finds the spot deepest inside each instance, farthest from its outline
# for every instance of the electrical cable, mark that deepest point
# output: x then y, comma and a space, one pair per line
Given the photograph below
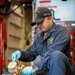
9, 12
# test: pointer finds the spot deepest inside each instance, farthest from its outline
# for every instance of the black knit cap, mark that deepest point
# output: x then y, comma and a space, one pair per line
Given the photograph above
40, 15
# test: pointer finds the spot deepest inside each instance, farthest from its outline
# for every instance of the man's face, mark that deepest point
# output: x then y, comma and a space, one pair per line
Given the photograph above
45, 25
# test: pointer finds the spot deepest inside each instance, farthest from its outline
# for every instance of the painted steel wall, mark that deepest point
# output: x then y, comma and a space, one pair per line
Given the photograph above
62, 9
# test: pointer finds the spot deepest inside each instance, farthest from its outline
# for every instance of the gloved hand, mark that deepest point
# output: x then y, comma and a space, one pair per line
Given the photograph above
16, 55
28, 70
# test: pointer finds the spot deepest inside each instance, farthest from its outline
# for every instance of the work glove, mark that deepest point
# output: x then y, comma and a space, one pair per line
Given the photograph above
16, 55
28, 70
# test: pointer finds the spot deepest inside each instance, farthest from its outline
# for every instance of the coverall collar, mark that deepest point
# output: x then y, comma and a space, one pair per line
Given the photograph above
52, 29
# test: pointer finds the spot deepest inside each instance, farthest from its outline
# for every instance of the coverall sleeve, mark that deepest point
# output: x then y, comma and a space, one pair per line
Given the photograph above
29, 54
59, 43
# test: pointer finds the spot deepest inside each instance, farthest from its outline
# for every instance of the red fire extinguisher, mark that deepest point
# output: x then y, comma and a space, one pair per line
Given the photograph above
1, 49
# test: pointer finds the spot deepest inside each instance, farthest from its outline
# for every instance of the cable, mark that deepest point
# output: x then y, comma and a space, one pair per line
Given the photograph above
5, 14
14, 9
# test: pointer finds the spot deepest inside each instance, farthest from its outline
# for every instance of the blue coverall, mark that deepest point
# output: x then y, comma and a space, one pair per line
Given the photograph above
54, 50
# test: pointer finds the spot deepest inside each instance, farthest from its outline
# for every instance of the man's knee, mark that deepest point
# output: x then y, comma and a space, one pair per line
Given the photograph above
57, 55
57, 58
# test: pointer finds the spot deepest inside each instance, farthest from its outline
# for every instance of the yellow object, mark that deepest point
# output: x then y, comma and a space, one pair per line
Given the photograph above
19, 69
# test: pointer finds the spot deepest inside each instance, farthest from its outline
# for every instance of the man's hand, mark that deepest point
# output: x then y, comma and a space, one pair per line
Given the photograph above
16, 55
28, 70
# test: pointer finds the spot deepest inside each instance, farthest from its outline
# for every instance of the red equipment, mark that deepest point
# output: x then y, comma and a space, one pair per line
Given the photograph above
0, 48
72, 44
1, 2
24, 1
2, 35
2, 43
